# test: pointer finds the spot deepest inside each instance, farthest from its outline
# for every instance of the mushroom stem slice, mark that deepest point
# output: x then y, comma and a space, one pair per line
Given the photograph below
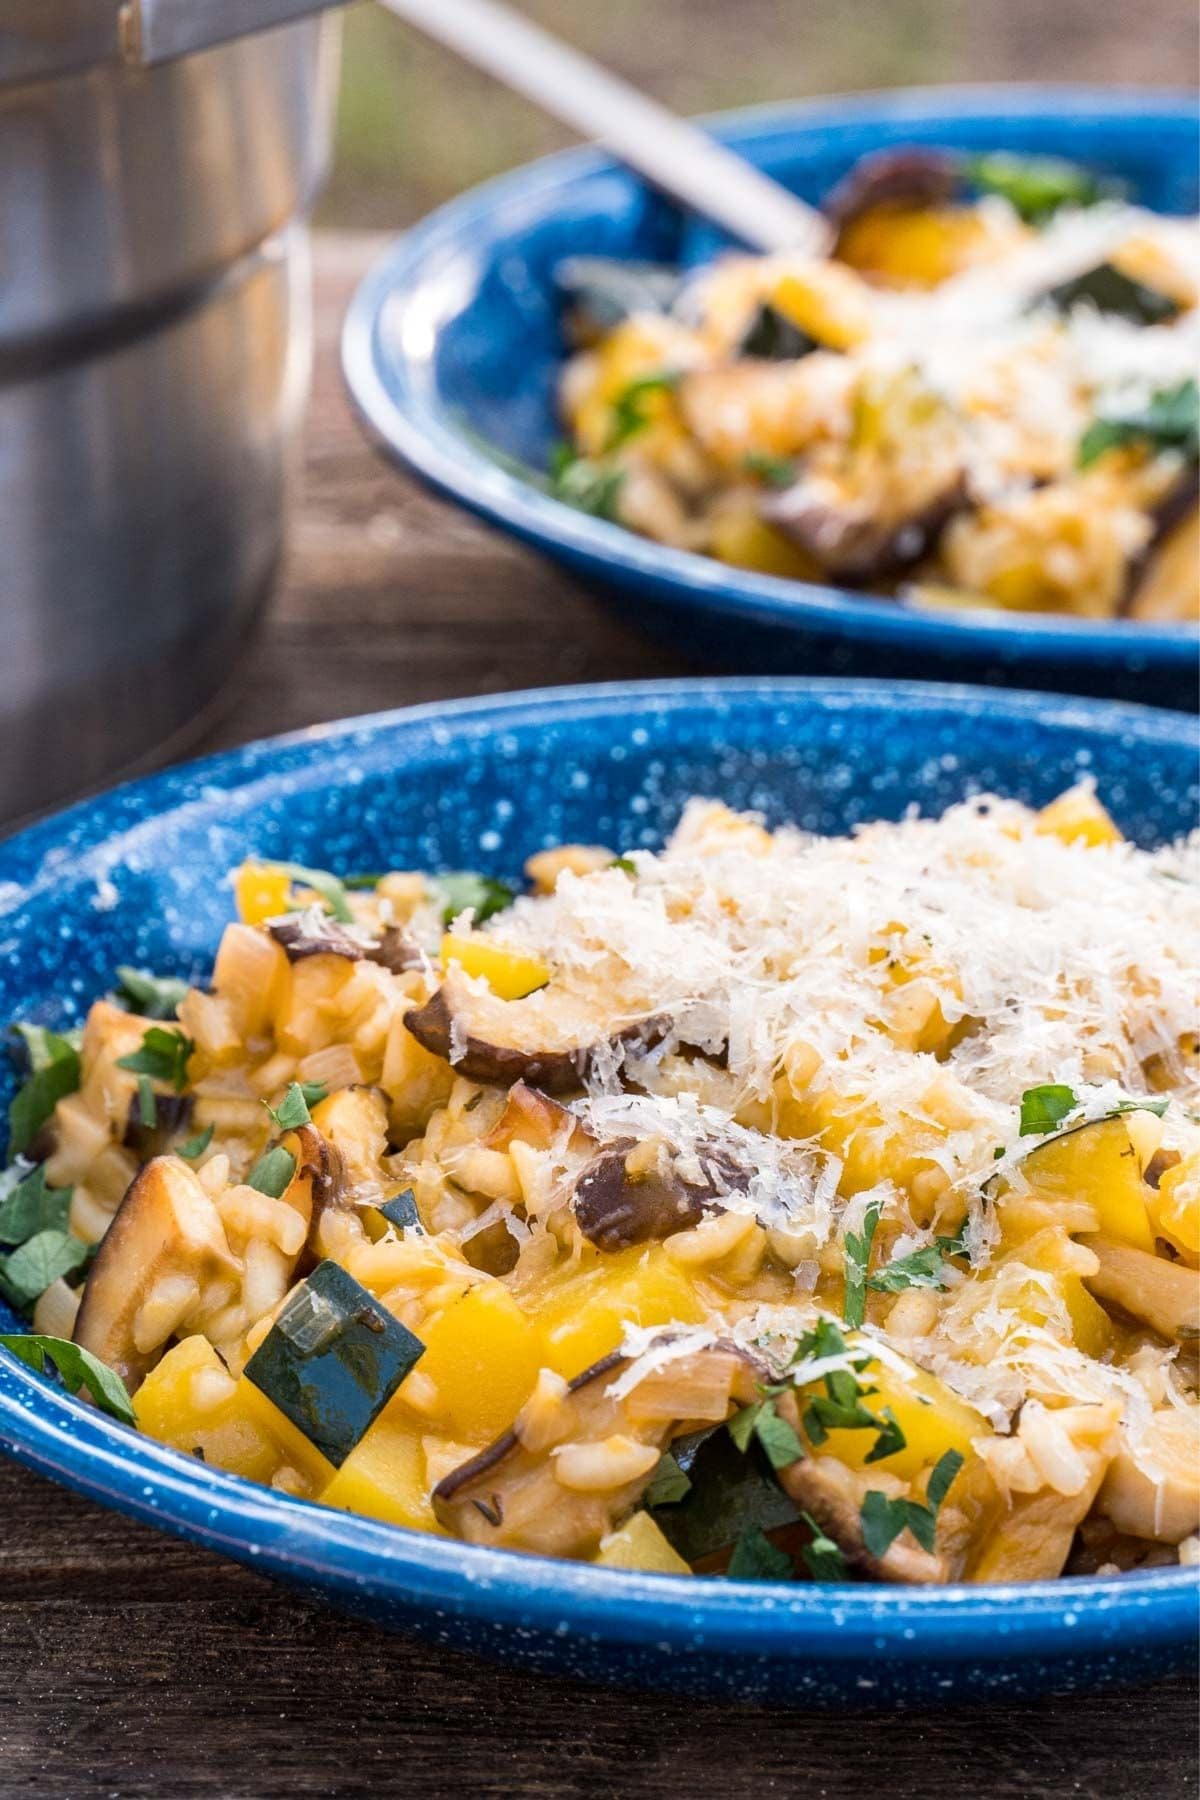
166, 1228
1164, 1295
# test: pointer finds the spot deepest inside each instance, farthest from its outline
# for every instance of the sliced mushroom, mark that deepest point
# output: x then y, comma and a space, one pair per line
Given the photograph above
533, 1118
909, 176
313, 933
1162, 1294
165, 1245
547, 1039
618, 1202
851, 542
396, 952
1152, 1488
578, 1458
1164, 583
324, 1167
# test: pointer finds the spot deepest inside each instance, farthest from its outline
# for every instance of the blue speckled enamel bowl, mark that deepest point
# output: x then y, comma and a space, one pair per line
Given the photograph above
138, 876
452, 350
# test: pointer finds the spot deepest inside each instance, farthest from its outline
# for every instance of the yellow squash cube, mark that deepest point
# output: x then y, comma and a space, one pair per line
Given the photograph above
508, 973
584, 1318
384, 1477
931, 1416
639, 1544
482, 1355
1099, 1164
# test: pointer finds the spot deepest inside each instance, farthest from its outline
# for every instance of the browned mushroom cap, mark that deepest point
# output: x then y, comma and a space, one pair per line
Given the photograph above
850, 542
616, 1208
547, 1039
166, 1229
533, 1118
314, 933
578, 1458
910, 176
396, 951
324, 1167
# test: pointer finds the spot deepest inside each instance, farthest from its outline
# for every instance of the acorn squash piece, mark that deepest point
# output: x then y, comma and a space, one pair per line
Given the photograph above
1096, 1163
166, 1226
639, 1544
546, 1039
583, 1317
384, 1478
332, 1360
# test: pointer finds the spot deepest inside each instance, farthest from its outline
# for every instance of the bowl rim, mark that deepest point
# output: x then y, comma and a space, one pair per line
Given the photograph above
394, 392
346, 1555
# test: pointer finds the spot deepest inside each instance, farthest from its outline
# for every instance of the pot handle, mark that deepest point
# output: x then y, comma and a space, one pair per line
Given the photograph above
155, 31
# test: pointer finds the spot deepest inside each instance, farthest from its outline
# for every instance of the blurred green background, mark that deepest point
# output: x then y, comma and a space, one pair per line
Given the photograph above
416, 126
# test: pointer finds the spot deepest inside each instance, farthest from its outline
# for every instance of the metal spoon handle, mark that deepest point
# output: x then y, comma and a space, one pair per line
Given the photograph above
672, 154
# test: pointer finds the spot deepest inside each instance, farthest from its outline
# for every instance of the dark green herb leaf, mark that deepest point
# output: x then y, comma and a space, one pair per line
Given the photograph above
772, 337
463, 889
825, 1339
883, 1520
823, 1558
27, 1272
196, 1146
361, 884
756, 1558
626, 865
776, 471
147, 1105
292, 1111
77, 1367
668, 1484
273, 1171
629, 411
1156, 1106
1108, 290
54, 1060
760, 1420
923, 1268
891, 1438
857, 1247
154, 996
1043, 1109
163, 1056
1171, 421
730, 1491
942, 1478
31, 1206
588, 486
1036, 186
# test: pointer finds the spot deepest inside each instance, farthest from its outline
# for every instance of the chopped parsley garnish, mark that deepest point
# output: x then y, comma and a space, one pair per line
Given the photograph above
857, 1246
272, 1173
762, 1421
823, 1558
756, 1558
163, 1056
921, 1268
196, 1146
54, 1073
154, 996
1171, 421
464, 890
292, 1111
326, 886
890, 1440
77, 1367
626, 865
668, 1484
776, 471
1036, 186
629, 409
29, 1205
883, 1520
840, 1407
587, 485
1043, 1109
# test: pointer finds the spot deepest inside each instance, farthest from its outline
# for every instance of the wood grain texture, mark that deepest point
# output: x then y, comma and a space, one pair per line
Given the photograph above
133, 1665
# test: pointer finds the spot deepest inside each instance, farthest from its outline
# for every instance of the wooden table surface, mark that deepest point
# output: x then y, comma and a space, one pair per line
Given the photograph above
134, 1665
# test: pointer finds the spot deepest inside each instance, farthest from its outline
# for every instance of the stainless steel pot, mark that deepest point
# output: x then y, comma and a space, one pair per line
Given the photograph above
154, 354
